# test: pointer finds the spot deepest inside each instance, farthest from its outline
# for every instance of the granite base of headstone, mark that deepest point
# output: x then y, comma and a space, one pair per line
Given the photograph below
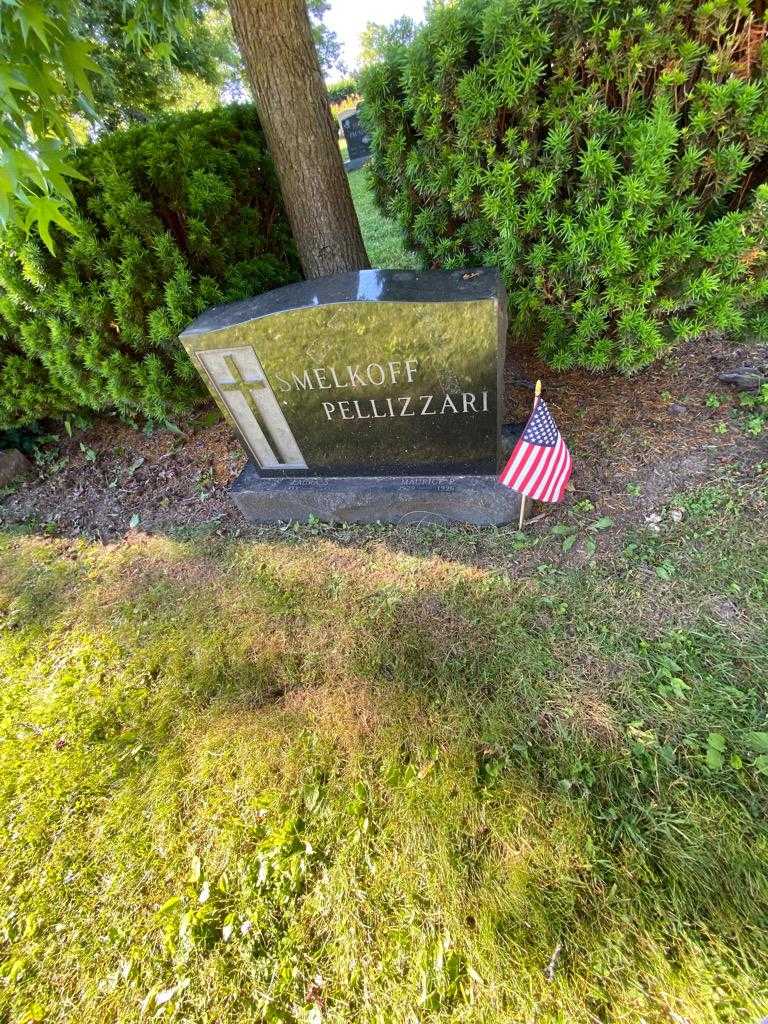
355, 165
404, 501
373, 396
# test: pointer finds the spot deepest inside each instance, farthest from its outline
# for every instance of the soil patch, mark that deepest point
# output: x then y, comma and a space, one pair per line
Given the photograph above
636, 442
109, 480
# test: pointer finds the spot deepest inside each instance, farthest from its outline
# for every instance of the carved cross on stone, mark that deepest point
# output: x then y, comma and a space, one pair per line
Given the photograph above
247, 399
245, 387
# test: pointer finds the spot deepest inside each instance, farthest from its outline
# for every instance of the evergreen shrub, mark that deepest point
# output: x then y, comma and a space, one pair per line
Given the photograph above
173, 217
609, 158
345, 89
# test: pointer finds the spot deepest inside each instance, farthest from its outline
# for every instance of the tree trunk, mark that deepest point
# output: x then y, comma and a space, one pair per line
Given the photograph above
275, 40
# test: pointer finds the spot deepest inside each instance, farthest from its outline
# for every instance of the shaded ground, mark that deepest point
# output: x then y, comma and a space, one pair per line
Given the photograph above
638, 440
110, 479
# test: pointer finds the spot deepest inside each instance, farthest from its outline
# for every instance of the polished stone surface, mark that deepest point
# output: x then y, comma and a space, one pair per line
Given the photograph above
373, 373
355, 286
402, 501
356, 134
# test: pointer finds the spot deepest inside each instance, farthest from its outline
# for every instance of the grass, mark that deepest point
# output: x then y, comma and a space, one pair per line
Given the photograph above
340, 775
383, 238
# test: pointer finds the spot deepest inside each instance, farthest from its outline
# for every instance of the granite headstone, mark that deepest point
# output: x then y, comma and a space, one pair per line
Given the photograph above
358, 139
363, 397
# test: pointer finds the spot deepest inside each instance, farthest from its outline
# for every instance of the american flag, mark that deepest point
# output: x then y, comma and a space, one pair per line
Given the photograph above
540, 464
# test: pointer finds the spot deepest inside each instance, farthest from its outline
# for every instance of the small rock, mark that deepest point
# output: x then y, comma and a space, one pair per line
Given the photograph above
676, 409
14, 466
745, 378
724, 609
653, 522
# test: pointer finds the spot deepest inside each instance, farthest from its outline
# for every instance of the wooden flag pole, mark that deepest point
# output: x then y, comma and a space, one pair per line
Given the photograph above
536, 397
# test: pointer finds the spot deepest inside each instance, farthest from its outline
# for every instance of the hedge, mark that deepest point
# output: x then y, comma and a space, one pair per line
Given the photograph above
342, 90
173, 217
610, 159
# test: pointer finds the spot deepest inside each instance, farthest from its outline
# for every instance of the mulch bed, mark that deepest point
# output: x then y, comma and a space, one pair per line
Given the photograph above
652, 432
636, 441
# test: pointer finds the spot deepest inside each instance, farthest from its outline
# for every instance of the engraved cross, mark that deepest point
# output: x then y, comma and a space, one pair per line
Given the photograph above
245, 387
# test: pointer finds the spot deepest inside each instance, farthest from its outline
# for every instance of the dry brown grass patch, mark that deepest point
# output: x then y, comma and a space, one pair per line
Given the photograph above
346, 709
585, 714
142, 561
585, 706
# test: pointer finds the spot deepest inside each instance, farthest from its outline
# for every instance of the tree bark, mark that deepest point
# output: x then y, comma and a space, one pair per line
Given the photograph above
275, 40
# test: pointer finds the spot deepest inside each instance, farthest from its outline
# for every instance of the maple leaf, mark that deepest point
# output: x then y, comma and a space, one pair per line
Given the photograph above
32, 17
44, 211
78, 64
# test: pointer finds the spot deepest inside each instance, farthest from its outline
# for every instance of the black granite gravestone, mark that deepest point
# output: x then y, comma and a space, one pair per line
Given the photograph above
374, 395
358, 139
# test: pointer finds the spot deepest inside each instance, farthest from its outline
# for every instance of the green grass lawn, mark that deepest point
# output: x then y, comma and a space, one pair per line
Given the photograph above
348, 776
383, 238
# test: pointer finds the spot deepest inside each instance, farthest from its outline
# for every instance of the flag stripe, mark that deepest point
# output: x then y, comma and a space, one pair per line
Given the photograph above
562, 474
541, 470
550, 484
506, 473
545, 480
530, 467
554, 481
557, 476
531, 454
520, 452
565, 477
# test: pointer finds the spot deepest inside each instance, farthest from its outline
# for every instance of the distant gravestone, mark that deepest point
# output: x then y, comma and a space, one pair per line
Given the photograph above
363, 397
358, 139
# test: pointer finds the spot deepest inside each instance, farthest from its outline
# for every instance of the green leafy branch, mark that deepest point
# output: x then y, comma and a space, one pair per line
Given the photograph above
45, 86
